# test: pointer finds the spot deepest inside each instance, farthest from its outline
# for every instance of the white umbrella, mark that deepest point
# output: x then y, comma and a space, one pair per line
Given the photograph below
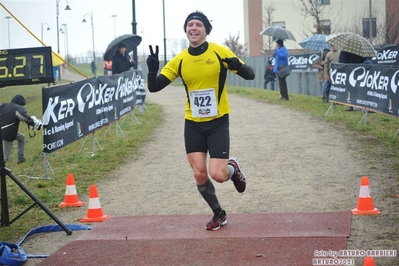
278, 32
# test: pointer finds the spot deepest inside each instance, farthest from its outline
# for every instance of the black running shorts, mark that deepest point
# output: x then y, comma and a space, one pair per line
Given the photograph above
212, 136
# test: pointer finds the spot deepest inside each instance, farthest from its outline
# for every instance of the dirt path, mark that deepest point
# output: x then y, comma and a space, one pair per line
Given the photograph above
294, 163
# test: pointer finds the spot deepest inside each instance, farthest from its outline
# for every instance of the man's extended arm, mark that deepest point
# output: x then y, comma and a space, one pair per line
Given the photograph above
157, 82
246, 72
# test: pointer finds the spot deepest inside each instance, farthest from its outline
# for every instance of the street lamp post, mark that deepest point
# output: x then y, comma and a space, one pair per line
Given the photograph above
8, 24
58, 29
64, 30
92, 35
114, 16
134, 28
370, 23
164, 32
48, 28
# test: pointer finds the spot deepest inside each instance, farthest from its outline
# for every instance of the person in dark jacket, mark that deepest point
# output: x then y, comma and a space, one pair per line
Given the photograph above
121, 61
350, 58
11, 114
269, 76
93, 68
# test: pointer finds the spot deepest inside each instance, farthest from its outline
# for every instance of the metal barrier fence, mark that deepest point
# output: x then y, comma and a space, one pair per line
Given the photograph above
302, 82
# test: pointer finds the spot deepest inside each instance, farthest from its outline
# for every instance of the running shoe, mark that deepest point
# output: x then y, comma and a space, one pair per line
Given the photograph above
238, 178
217, 221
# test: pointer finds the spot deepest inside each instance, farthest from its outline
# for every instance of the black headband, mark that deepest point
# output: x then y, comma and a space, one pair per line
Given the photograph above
201, 17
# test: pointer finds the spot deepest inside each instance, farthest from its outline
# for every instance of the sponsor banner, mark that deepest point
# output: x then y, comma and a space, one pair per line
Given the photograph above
373, 87
140, 89
387, 56
301, 62
75, 110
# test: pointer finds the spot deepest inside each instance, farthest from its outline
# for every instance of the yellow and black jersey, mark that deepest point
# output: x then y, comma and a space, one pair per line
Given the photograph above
204, 78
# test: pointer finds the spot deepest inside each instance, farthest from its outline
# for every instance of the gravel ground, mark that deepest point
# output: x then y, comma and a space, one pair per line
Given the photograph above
294, 163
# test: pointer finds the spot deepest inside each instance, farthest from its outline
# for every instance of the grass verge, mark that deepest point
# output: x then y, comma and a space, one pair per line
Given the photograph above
75, 158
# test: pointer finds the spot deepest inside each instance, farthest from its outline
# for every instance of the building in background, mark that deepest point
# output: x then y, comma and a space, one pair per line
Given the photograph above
327, 16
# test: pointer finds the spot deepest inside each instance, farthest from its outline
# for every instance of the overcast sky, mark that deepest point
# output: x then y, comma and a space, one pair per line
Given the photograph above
226, 16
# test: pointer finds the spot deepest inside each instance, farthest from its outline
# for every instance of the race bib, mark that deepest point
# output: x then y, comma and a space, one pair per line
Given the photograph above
203, 103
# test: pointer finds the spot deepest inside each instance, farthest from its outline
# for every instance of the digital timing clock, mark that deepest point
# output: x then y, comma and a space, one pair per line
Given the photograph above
26, 66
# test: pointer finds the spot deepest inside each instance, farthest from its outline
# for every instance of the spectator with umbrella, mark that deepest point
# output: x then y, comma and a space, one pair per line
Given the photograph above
319, 65
280, 54
118, 50
331, 57
354, 48
317, 42
121, 61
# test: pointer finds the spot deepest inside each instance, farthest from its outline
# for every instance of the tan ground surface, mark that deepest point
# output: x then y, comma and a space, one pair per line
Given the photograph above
294, 163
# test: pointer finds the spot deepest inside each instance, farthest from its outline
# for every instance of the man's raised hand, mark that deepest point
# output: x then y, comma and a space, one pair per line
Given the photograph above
152, 60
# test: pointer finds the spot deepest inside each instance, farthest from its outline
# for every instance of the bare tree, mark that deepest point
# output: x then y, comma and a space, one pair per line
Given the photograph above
267, 22
355, 24
391, 31
235, 46
310, 8
175, 46
321, 14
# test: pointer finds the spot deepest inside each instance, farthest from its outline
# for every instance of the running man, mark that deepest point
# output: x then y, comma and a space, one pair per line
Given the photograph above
203, 69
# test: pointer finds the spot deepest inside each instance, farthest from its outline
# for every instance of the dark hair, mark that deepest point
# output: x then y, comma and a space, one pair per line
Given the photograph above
326, 50
280, 42
201, 17
121, 45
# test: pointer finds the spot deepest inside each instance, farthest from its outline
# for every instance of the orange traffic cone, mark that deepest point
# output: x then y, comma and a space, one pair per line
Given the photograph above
365, 203
369, 261
71, 196
95, 212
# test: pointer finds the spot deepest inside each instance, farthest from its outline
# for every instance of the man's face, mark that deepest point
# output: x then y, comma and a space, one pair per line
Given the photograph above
334, 48
122, 50
196, 32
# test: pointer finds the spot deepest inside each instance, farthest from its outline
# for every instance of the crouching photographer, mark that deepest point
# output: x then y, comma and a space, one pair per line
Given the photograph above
10, 115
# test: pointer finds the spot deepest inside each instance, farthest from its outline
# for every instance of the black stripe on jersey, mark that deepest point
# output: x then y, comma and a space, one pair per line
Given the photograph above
222, 77
184, 83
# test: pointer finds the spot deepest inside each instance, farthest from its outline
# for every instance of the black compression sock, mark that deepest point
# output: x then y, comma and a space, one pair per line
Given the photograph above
207, 191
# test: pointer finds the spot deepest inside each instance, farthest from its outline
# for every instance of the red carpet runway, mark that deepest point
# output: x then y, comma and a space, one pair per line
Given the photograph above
247, 239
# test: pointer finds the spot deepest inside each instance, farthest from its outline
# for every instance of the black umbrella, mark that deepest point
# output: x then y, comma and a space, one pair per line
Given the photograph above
278, 33
130, 40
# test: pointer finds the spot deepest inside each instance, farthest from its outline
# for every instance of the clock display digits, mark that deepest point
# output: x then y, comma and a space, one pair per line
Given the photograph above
20, 63
24, 66
37, 65
3, 67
